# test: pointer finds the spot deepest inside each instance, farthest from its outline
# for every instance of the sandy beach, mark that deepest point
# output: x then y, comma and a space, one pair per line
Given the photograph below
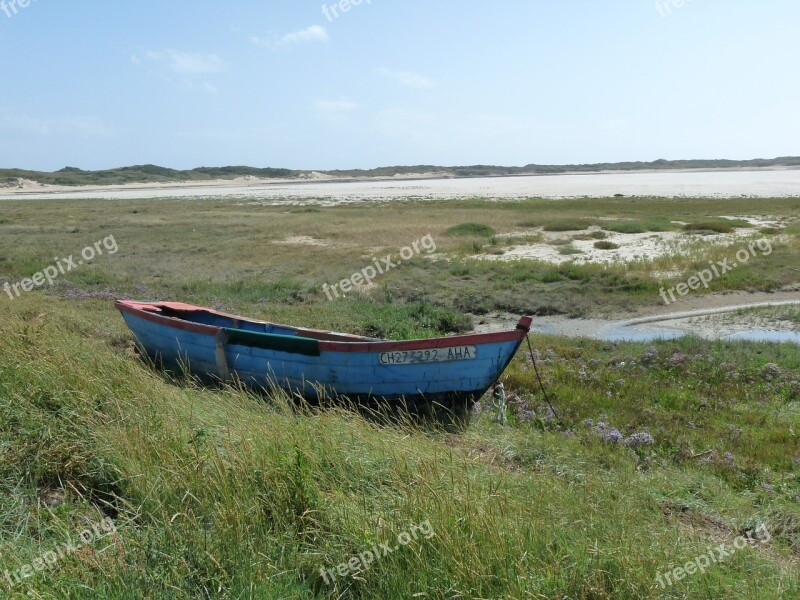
327, 191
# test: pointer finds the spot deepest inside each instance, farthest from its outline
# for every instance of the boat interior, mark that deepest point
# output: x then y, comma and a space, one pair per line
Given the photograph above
214, 319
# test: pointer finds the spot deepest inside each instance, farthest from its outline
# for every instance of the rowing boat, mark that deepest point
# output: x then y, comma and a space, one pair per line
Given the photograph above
453, 371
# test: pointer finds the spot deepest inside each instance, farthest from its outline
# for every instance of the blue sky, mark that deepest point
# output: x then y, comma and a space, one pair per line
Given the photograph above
180, 83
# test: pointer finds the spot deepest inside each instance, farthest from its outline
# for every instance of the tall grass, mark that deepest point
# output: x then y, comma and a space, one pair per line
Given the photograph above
222, 493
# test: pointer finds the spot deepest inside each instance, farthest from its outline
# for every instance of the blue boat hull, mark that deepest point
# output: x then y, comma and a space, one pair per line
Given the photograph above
313, 364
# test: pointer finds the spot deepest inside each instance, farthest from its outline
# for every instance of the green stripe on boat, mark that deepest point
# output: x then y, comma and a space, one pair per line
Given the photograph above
270, 341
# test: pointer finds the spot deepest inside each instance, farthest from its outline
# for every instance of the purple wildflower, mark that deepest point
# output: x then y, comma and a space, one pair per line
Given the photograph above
639, 440
610, 435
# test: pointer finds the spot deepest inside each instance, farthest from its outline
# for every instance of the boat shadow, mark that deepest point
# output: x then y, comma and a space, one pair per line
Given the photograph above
450, 414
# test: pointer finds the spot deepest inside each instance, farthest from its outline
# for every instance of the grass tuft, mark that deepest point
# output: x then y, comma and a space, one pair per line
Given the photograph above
606, 245
716, 226
471, 229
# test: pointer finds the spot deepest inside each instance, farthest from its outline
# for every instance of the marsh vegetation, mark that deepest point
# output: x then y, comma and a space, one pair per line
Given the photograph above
657, 450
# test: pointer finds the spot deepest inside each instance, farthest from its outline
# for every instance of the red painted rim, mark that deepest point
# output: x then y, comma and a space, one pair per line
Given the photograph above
139, 309
133, 309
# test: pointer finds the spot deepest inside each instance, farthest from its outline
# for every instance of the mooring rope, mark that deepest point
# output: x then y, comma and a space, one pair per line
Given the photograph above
541, 384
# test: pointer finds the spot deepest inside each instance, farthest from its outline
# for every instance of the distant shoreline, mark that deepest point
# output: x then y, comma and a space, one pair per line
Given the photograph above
332, 190
153, 175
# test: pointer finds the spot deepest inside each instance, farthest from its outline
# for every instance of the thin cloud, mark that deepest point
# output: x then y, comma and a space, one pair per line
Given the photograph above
50, 126
334, 111
185, 63
407, 78
313, 34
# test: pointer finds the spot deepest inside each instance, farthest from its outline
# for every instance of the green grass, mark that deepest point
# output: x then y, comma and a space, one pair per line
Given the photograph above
471, 229
632, 225
569, 250
716, 225
522, 239
638, 226
219, 493
617, 226
226, 255
568, 225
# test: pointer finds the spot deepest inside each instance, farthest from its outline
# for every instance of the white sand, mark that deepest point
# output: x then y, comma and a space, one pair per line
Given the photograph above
757, 183
633, 247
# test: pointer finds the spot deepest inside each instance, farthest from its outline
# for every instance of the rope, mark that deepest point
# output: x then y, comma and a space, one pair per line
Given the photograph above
541, 384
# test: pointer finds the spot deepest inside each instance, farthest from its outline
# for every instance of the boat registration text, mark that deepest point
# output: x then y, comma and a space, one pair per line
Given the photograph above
413, 357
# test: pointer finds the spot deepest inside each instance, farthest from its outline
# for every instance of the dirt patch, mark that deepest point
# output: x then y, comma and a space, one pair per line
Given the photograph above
708, 527
302, 240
